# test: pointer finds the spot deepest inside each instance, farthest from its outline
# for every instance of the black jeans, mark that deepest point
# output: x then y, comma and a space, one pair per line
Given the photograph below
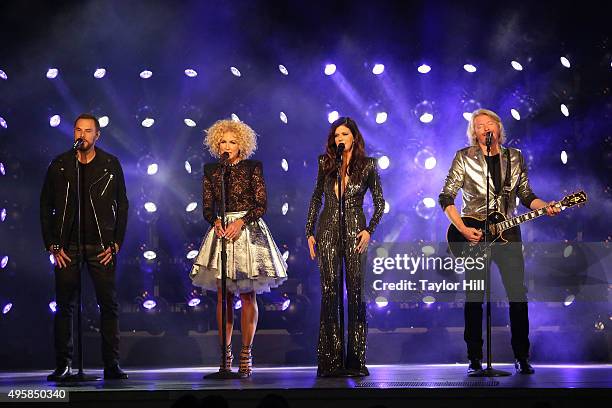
66, 288
509, 259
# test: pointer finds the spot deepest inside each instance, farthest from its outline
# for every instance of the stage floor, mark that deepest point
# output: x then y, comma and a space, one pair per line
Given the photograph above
390, 385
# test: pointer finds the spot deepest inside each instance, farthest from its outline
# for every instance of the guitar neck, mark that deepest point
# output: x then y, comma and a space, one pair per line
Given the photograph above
513, 222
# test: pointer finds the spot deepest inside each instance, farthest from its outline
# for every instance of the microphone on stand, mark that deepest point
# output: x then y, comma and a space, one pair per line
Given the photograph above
488, 138
339, 151
78, 143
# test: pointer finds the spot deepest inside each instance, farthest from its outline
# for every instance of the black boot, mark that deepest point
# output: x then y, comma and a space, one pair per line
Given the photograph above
61, 373
474, 367
522, 366
114, 373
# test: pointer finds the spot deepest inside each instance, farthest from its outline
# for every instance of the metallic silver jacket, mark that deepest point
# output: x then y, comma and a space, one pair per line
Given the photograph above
468, 172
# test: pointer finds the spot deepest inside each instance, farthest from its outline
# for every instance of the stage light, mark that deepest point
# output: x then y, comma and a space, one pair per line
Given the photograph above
381, 117
383, 162
516, 65
285, 164
3, 75
424, 111
7, 308
564, 110
149, 255
187, 166
569, 299
599, 326
283, 69
194, 165
191, 206
428, 250
2, 170
332, 116
52, 259
283, 117
425, 159
2, 215
515, 114
425, 208
470, 68
563, 157
3, 122
4, 261
467, 116
235, 71
146, 74
191, 73
150, 207
381, 302
193, 302
237, 304
53, 306
148, 122
429, 300
52, 73
99, 73
192, 254
330, 69
378, 69
565, 62
55, 120
286, 304
426, 117
189, 122
104, 121
235, 117
424, 68
152, 169
149, 304
567, 251
285, 208
387, 207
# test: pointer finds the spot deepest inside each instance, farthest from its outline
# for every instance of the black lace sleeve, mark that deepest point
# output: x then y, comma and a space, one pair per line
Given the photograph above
377, 196
258, 186
208, 196
316, 200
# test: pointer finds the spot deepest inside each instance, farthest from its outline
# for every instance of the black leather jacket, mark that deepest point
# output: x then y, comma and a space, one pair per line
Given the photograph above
58, 203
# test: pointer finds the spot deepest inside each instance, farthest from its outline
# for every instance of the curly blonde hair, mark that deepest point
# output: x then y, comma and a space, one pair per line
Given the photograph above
471, 131
246, 137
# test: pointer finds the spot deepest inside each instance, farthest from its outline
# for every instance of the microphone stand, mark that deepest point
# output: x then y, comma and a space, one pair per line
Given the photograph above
489, 371
223, 374
80, 376
341, 247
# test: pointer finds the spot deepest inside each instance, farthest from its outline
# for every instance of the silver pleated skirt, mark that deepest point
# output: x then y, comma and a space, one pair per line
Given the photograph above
254, 262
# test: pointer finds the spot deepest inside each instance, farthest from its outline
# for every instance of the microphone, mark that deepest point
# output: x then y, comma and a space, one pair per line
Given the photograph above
225, 158
339, 151
488, 138
78, 143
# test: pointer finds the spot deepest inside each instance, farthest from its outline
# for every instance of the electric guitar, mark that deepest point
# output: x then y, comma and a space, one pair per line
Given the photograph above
498, 225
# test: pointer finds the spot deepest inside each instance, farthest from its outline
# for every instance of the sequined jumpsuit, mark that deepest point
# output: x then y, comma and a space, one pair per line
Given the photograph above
331, 342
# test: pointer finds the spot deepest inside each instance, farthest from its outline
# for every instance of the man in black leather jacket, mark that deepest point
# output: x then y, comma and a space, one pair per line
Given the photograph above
104, 208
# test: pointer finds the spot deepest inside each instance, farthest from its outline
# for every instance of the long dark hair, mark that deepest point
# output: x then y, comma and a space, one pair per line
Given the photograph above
358, 158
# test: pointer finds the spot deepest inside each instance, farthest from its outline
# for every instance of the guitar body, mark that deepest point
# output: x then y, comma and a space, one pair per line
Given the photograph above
461, 247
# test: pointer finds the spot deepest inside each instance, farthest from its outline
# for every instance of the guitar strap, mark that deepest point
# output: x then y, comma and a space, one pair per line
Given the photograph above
506, 188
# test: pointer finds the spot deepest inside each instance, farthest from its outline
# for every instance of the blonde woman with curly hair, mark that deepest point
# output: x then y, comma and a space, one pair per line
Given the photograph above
255, 263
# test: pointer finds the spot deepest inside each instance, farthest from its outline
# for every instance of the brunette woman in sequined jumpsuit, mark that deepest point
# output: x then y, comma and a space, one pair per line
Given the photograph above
359, 173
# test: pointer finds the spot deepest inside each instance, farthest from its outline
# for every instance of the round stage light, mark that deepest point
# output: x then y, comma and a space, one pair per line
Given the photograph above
104, 121
564, 110
150, 206
387, 207
426, 117
192, 254
99, 73
3, 75
569, 299
149, 304
148, 122
53, 306
146, 74
381, 117
332, 116
563, 157
285, 165
2, 215
191, 206
237, 304
194, 165
425, 159
330, 69
52, 73
283, 69
565, 62
235, 72
4, 261
3, 122
429, 300
149, 255
285, 208
52, 259
470, 68
2, 169
378, 69
187, 166
193, 302
7, 308
516, 65
235, 117
55, 120
383, 162
515, 114
283, 117
425, 208
191, 73
424, 111
424, 68
189, 122
381, 301
152, 169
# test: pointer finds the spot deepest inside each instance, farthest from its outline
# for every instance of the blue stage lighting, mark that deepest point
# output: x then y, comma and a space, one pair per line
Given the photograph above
381, 117
285, 164
424, 68
53, 306
4, 261
189, 122
332, 116
516, 65
3, 75
103, 121
283, 117
283, 69
3, 122
563, 157
383, 162
564, 110
52, 73
191, 206
330, 69
565, 62
99, 73
515, 114
378, 69
2, 215
235, 71
55, 120
191, 73
150, 206
148, 122
146, 74
470, 68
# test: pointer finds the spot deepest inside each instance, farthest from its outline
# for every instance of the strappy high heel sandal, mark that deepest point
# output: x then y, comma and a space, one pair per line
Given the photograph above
226, 365
246, 361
